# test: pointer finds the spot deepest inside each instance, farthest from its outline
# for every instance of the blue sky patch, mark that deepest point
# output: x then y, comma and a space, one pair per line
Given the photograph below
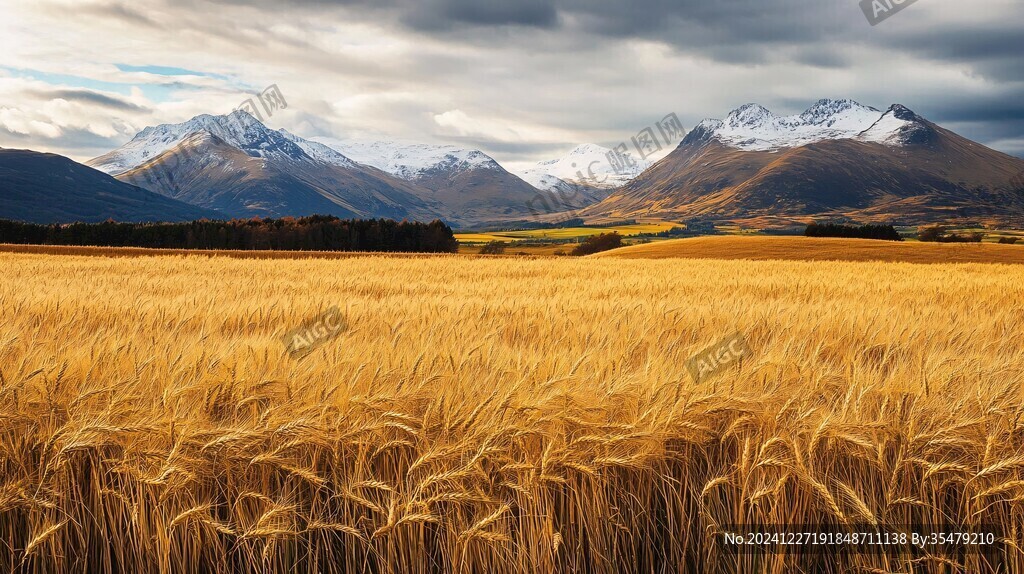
155, 93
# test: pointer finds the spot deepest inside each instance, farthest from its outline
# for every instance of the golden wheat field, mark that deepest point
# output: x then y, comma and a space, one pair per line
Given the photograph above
500, 415
791, 248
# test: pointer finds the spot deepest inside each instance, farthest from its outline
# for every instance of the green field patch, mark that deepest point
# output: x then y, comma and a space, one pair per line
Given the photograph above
565, 233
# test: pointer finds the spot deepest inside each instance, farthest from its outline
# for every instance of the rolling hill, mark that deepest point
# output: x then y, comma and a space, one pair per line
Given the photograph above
768, 248
47, 188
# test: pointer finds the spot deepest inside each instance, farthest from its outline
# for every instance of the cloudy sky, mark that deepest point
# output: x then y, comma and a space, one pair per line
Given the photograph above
523, 80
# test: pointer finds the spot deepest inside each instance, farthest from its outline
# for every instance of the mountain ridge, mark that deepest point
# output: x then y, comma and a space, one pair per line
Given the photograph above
467, 185
900, 168
752, 127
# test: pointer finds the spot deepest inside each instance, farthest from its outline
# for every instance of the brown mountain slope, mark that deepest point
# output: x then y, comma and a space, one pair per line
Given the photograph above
467, 186
477, 196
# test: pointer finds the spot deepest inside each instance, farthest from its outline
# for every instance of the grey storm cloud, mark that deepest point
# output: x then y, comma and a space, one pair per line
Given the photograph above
682, 22
433, 15
591, 70
708, 26
995, 50
694, 22
88, 97
732, 31
443, 14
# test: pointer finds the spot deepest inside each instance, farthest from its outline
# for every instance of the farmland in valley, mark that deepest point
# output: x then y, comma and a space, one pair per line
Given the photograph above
563, 233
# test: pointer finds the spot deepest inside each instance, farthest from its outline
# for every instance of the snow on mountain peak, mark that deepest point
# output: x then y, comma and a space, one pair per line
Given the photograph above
752, 115
904, 113
241, 130
588, 149
753, 127
238, 129
234, 128
828, 111
409, 160
587, 164
318, 151
898, 126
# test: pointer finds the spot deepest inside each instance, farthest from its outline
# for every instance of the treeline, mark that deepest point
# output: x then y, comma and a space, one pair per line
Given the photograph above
939, 234
886, 232
313, 233
668, 233
598, 243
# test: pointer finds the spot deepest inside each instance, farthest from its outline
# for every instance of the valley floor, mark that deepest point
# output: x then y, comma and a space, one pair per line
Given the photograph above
728, 247
794, 248
505, 415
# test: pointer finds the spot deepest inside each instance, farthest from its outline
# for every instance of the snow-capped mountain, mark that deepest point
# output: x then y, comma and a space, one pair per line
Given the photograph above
468, 185
240, 167
588, 164
753, 127
319, 151
237, 129
839, 159
409, 160
898, 126
568, 195
445, 166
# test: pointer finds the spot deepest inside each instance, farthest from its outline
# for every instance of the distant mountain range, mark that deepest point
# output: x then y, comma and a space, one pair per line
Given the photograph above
837, 160
584, 176
48, 188
238, 166
461, 185
586, 164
